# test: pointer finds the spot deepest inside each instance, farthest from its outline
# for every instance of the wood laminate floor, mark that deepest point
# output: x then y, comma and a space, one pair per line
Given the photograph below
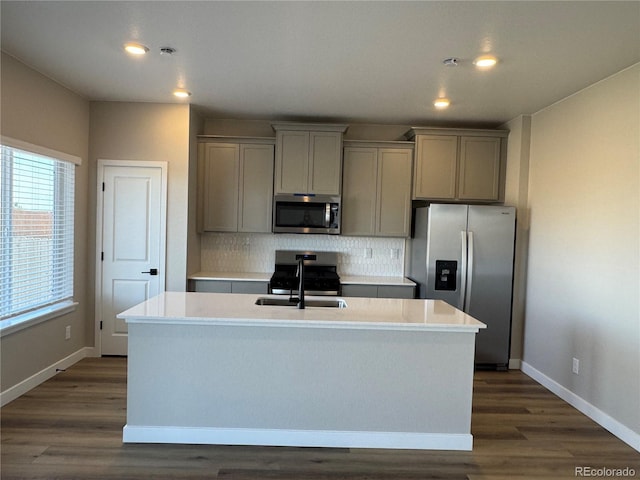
70, 427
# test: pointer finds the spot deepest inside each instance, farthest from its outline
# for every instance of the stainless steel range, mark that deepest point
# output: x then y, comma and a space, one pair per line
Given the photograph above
320, 273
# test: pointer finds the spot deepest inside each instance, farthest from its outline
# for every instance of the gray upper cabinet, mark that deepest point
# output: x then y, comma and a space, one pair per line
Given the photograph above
464, 165
479, 168
255, 193
219, 166
359, 195
435, 166
308, 158
394, 192
376, 198
235, 187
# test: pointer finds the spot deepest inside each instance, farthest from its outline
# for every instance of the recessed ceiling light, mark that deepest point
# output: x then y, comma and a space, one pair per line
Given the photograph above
181, 93
135, 48
485, 61
441, 103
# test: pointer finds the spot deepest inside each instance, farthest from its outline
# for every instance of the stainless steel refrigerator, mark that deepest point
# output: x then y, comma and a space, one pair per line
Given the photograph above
463, 254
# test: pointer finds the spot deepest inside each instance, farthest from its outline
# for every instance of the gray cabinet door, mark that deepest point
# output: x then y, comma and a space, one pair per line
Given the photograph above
359, 197
256, 188
292, 162
219, 187
249, 287
212, 286
395, 291
368, 291
479, 171
325, 163
394, 192
436, 166
377, 291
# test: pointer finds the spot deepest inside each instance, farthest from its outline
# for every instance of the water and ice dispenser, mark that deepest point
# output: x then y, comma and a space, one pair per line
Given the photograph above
446, 273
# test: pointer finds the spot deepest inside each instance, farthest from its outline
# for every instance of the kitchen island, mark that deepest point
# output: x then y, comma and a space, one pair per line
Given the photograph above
218, 369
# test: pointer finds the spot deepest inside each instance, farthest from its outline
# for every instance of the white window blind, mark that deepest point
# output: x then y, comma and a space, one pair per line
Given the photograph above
36, 240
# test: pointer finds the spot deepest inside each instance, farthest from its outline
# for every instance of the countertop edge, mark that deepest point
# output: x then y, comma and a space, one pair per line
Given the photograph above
333, 325
210, 309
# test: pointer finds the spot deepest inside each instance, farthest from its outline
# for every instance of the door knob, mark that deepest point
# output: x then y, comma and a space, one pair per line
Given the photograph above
152, 271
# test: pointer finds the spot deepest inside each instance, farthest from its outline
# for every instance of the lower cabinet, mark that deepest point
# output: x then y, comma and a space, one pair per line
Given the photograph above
228, 286
349, 290
378, 291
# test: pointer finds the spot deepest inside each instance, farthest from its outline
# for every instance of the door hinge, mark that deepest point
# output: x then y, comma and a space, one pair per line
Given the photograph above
103, 186
102, 256
100, 324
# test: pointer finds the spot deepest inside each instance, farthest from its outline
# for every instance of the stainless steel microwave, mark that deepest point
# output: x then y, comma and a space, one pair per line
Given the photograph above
306, 214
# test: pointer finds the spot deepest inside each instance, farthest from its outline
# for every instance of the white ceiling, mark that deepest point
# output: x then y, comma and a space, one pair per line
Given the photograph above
358, 61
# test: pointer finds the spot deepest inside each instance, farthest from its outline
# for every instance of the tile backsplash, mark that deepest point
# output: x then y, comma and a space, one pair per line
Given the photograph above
238, 252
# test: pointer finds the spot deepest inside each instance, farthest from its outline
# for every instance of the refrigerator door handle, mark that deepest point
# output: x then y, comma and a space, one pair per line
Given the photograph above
467, 300
463, 271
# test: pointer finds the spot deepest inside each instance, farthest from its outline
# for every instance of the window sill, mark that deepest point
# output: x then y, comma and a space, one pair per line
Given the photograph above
20, 322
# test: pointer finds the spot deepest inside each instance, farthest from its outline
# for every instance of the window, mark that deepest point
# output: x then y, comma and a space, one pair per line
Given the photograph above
37, 236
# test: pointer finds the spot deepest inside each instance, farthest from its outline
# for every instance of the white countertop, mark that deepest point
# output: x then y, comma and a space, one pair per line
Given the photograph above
231, 276
376, 280
265, 277
188, 308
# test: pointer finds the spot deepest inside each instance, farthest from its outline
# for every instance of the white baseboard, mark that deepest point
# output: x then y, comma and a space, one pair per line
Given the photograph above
515, 364
621, 431
296, 438
43, 375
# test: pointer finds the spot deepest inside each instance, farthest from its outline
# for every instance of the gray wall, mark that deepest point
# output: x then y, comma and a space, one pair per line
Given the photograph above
583, 285
196, 127
42, 112
37, 110
516, 195
147, 132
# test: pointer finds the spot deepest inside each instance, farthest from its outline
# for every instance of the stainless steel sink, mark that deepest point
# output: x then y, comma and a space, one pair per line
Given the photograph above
333, 303
312, 302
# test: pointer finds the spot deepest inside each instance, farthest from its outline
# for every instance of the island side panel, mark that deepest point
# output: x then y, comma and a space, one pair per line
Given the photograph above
291, 379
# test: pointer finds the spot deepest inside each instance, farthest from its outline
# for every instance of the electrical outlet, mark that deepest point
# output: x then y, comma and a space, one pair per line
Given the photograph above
576, 366
368, 253
67, 332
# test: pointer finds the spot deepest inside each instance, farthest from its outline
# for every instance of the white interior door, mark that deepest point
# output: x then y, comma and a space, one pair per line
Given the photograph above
132, 246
